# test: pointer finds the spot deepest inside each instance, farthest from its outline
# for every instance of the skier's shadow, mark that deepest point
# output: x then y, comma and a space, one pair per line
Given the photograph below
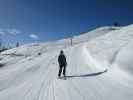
2, 65
87, 75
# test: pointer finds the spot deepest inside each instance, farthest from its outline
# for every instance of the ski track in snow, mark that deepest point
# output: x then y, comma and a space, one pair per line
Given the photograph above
35, 77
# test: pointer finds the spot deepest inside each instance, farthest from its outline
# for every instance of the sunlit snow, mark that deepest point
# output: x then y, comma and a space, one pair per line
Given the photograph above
99, 68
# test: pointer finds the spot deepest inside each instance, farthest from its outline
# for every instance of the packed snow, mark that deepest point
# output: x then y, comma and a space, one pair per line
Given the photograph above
99, 68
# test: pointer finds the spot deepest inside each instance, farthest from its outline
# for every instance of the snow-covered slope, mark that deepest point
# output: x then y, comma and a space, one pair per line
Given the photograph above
35, 48
84, 37
99, 68
95, 33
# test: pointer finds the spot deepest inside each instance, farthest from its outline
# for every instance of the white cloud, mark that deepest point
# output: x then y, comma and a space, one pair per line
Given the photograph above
13, 31
9, 31
34, 36
2, 32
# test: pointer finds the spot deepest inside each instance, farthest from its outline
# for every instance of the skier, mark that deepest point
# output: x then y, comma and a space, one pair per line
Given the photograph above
62, 64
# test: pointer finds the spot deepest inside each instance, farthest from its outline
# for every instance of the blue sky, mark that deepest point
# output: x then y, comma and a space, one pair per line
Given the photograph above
44, 20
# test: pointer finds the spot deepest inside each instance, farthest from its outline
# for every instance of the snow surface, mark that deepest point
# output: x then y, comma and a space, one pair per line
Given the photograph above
99, 68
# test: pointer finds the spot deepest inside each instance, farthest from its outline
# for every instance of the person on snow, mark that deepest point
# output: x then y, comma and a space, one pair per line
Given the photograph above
62, 64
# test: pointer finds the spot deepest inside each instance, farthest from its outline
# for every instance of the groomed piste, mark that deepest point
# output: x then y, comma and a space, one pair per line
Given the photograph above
100, 67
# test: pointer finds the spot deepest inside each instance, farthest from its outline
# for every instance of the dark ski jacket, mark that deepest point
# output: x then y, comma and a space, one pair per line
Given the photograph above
62, 60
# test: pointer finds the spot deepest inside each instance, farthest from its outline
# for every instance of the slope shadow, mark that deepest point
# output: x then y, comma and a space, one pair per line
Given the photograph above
88, 75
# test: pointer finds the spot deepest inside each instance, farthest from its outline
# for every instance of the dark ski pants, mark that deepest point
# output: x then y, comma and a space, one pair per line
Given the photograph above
60, 70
